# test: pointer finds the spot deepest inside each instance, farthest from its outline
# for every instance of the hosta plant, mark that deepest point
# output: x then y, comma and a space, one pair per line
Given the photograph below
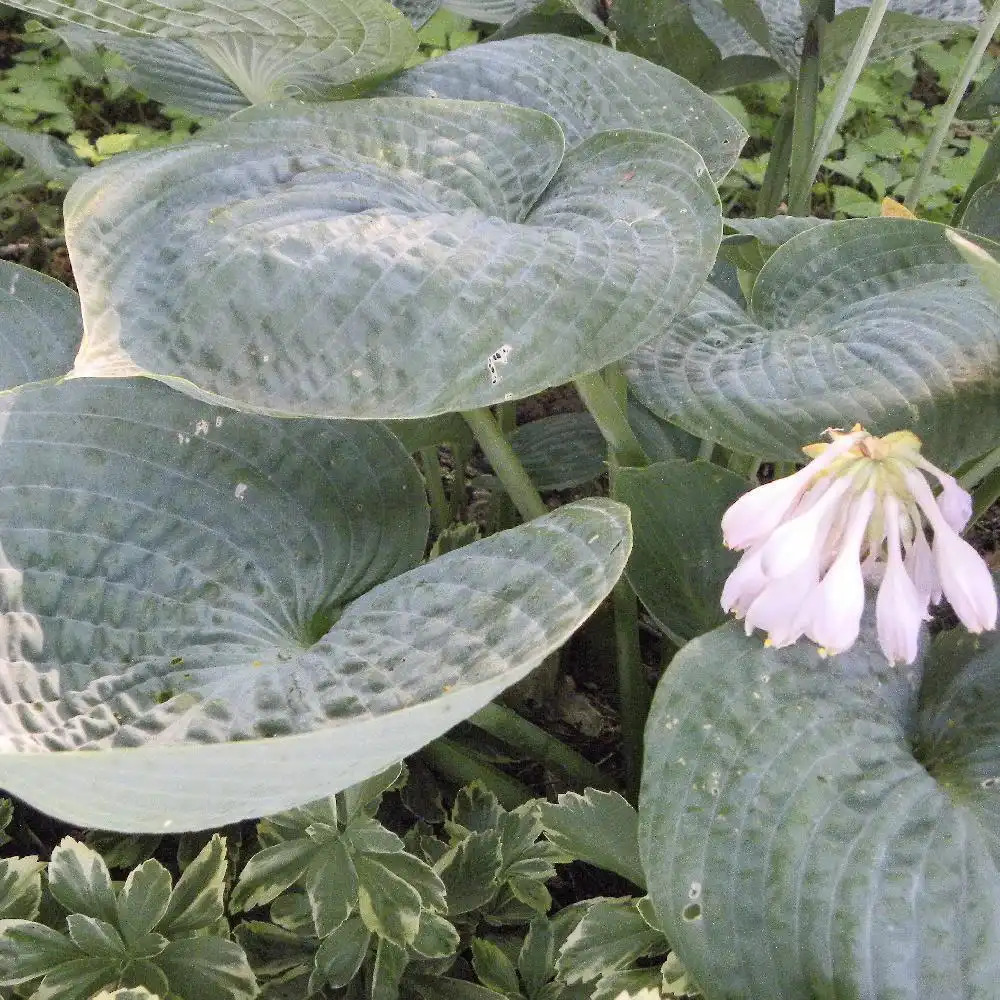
220, 596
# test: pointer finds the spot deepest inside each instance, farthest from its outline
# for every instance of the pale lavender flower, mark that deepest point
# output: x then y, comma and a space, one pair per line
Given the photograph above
859, 511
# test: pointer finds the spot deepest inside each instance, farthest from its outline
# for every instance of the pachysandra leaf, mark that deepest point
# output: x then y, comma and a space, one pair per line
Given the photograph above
143, 900
80, 881
267, 50
271, 871
196, 903
832, 826
598, 827
586, 87
611, 936
20, 888
195, 624
29, 950
406, 243
388, 905
878, 321
341, 953
209, 968
331, 885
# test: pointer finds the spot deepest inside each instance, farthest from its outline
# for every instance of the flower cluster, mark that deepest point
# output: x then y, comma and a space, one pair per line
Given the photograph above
858, 511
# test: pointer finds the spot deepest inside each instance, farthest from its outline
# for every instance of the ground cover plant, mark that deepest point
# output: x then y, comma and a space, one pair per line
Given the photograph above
273, 542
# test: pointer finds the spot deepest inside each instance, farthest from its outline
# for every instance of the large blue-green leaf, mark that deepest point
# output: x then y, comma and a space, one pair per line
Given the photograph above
39, 324
816, 828
878, 321
168, 71
679, 564
51, 156
268, 49
586, 87
366, 259
195, 623
907, 25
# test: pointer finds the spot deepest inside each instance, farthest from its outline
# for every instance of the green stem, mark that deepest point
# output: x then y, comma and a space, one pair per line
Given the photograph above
505, 724
804, 125
845, 86
977, 472
506, 414
440, 508
341, 802
705, 450
947, 115
463, 766
633, 692
610, 418
459, 460
776, 174
505, 463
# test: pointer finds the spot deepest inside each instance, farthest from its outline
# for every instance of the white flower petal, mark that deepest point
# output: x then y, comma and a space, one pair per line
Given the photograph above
840, 599
965, 578
966, 581
756, 514
954, 503
919, 563
744, 584
899, 609
781, 609
791, 543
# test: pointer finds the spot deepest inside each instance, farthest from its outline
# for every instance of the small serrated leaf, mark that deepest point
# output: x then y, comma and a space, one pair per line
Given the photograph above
470, 871
366, 795
127, 993
536, 957
331, 885
96, 938
388, 905
476, 808
340, 955
601, 828
419, 875
78, 979
494, 969
79, 880
436, 936
20, 888
196, 902
208, 968
369, 836
143, 899
531, 892
122, 850
609, 938
29, 950
271, 871
390, 964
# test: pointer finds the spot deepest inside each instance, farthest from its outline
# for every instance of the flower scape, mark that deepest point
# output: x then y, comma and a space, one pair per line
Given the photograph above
858, 512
